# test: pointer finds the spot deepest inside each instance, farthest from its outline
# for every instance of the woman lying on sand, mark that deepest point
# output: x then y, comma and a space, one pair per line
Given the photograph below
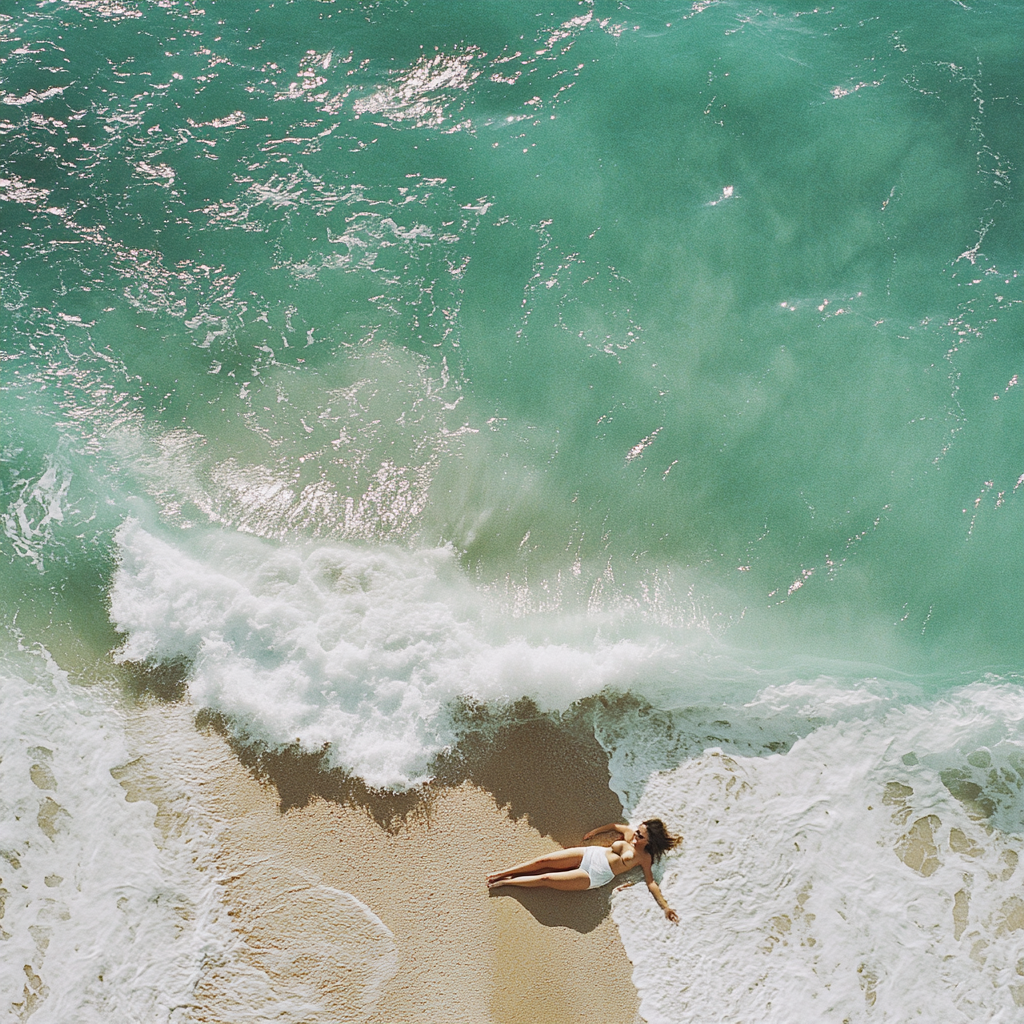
589, 867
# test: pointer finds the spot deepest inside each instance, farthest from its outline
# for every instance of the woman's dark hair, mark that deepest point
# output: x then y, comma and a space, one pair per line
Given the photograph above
659, 839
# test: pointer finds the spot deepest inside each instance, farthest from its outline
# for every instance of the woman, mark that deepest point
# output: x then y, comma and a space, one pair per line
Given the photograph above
589, 867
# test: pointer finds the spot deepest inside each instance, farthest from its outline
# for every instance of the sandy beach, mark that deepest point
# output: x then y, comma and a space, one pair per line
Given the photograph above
295, 845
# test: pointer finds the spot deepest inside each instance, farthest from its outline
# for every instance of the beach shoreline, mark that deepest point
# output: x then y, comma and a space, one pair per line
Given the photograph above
378, 911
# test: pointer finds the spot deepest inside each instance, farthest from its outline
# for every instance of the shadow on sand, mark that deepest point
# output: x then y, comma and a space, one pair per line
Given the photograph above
546, 769
550, 772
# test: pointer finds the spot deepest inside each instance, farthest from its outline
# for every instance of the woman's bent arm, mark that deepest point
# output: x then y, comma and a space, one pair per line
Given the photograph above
610, 827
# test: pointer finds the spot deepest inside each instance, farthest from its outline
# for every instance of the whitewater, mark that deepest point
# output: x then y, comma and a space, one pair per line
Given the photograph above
371, 372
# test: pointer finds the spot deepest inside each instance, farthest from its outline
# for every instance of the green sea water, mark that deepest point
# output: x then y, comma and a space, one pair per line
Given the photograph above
668, 349
717, 294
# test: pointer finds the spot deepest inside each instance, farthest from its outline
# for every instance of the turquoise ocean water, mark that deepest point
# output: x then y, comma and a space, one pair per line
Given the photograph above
364, 358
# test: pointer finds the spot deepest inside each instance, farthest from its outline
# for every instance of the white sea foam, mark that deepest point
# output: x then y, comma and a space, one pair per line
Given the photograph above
363, 648
366, 649
641, 740
27, 521
100, 923
869, 873
111, 914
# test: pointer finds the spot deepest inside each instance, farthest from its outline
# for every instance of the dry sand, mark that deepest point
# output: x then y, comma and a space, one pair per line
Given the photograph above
293, 841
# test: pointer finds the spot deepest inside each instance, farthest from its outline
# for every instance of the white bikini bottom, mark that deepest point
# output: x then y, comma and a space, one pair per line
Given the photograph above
595, 863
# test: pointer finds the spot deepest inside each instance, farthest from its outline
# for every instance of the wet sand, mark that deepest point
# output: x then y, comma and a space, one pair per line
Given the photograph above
291, 843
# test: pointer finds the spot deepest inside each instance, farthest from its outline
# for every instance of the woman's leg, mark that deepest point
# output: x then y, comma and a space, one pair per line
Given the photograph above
560, 860
573, 881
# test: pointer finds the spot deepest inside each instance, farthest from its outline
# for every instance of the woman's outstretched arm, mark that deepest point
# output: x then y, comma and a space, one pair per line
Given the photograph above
655, 891
652, 885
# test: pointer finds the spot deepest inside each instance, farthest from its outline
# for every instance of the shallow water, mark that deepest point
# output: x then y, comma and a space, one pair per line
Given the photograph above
364, 359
